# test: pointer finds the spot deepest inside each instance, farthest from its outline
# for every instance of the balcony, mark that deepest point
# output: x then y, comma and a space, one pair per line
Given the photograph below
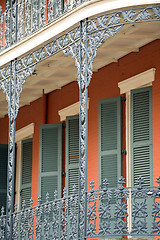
111, 212
25, 17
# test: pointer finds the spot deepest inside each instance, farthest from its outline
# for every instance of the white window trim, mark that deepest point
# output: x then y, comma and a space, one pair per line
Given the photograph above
70, 111
24, 132
21, 134
143, 79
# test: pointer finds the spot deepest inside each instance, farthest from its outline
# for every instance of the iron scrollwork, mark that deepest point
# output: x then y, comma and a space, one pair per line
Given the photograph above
92, 215
139, 204
12, 87
105, 196
156, 208
1, 29
121, 214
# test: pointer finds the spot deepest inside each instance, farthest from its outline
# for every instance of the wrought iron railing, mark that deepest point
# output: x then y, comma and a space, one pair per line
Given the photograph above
22, 18
107, 214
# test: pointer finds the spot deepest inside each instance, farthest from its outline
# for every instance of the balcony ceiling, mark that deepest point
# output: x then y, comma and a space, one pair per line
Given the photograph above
58, 70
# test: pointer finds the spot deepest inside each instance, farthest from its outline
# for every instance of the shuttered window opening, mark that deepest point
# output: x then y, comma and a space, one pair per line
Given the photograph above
141, 143
110, 140
72, 153
50, 160
110, 134
26, 173
141, 135
3, 174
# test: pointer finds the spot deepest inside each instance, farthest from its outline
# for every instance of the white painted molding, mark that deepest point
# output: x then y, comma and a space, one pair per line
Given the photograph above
137, 81
25, 132
67, 21
70, 111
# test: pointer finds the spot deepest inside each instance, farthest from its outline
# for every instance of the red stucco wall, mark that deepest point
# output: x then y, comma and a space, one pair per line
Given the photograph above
103, 85
3, 4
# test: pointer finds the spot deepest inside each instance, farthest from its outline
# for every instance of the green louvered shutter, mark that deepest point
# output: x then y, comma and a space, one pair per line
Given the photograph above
26, 172
110, 140
72, 152
50, 160
3, 174
141, 143
141, 135
110, 146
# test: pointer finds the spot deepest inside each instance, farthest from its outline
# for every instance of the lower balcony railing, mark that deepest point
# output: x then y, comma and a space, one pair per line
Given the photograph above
110, 213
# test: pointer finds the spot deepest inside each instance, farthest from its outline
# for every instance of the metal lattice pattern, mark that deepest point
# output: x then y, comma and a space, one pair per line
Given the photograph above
108, 210
57, 219
98, 29
12, 87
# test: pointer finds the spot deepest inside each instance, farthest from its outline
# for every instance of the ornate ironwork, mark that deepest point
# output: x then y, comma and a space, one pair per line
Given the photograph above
7, 19
81, 43
67, 6
121, 196
73, 213
39, 212
47, 211
92, 215
15, 223
2, 224
105, 196
20, 19
64, 215
139, 205
35, 15
1, 29
27, 17
13, 26
42, 18
30, 220
156, 208
12, 86
23, 220
56, 217
50, 10
58, 8
98, 29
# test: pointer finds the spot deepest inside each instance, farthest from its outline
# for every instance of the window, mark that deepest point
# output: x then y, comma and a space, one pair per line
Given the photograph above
23, 185
51, 157
139, 131
136, 92
110, 149
141, 135
50, 166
